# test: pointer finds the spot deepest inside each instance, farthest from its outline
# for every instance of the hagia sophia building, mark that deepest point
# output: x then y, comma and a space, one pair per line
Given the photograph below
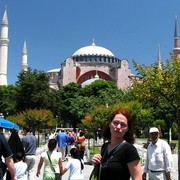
84, 66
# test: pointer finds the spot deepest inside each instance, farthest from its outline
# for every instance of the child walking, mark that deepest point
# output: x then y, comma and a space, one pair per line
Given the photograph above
75, 165
20, 167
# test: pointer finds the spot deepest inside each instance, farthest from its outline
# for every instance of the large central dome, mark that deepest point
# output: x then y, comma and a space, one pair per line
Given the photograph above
93, 50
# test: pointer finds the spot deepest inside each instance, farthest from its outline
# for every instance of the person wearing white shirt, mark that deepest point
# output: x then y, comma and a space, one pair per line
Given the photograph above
75, 165
159, 161
52, 136
20, 167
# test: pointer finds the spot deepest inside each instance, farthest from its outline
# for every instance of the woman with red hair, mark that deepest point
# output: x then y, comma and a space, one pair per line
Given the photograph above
119, 159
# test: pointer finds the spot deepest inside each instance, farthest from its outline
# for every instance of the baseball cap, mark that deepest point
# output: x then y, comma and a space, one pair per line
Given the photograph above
153, 129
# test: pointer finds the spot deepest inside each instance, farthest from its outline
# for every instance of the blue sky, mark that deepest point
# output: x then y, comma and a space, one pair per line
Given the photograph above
54, 30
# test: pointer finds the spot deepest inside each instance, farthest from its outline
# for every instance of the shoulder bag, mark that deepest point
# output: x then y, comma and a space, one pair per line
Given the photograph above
3, 166
96, 172
57, 175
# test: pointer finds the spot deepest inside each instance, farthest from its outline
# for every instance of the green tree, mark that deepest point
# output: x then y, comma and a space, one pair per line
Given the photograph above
67, 108
7, 100
141, 116
75, 102
32, 90
160, 87
34, 118
79, 108
103, 92
99, 115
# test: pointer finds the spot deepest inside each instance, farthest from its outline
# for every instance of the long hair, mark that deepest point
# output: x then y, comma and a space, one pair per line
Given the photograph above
16, 147
15, 144
76, 155
129, 135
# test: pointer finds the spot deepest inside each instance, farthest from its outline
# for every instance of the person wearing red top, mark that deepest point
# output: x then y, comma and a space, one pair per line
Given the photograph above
80, 144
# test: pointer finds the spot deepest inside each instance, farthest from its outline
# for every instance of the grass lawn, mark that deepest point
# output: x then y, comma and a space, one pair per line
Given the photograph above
94, 150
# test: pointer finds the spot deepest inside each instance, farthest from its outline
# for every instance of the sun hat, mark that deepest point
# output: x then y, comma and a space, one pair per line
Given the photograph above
153, 129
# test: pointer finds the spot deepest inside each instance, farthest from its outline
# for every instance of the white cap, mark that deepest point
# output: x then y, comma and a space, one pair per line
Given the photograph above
153, 129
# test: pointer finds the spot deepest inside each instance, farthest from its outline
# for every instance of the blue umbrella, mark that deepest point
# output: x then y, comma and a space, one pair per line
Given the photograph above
8, 124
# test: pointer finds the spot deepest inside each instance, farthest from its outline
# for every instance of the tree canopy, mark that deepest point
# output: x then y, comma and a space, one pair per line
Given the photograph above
160, 87
32, 90
7, 100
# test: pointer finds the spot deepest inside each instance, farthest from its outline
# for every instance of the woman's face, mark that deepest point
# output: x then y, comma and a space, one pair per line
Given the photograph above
119, 125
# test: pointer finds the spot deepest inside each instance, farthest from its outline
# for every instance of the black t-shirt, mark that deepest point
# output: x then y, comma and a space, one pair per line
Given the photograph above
114, 166
5, 150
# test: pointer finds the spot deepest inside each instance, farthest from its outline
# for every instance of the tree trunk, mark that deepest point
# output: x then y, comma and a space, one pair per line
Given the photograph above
168, 136
38, 137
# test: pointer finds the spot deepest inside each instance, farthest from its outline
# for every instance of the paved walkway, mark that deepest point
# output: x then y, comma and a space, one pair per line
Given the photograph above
88, 168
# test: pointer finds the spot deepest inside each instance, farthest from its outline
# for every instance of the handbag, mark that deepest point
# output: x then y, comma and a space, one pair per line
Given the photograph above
57, 175
96, 172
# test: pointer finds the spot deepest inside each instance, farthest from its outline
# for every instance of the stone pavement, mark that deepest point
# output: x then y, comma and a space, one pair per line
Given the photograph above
88, 168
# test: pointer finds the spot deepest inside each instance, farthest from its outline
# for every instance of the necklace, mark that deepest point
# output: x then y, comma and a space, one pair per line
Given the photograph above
113, 146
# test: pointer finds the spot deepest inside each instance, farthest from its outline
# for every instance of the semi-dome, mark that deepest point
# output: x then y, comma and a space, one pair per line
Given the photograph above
90, 81
54, 70
93, 50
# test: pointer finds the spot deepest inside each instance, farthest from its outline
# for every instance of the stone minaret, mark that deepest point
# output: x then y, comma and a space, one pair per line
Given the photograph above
159, 58
176, 50
24, 65
4, 49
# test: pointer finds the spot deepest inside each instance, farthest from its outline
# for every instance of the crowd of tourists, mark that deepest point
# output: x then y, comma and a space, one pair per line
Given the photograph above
18, 155
63, 145
118, 158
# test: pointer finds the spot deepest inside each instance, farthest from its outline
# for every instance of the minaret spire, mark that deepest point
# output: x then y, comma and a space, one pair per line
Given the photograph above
159, 58
176, 33
5, 18
4, 49
93, 44
24, 65
176, 49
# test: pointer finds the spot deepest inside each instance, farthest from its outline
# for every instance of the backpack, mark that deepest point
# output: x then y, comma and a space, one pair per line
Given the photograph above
70, 140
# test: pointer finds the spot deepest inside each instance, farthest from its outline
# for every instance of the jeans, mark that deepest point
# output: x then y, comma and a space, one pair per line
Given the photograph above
62, 150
